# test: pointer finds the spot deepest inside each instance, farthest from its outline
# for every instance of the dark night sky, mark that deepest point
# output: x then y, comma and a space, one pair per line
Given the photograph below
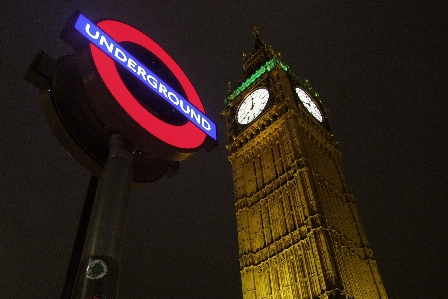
381, 70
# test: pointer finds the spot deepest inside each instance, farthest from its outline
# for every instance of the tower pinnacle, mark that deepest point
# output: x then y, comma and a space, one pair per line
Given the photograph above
260, 53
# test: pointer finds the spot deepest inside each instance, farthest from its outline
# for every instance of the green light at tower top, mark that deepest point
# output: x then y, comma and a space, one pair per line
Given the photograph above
267, 67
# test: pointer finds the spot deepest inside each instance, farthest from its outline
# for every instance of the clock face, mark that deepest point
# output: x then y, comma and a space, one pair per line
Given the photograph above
252, 106
309, 104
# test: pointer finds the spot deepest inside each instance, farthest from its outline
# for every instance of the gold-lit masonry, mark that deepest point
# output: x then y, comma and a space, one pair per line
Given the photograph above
299, 232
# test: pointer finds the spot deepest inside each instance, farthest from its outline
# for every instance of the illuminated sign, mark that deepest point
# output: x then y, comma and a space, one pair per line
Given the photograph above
105, 48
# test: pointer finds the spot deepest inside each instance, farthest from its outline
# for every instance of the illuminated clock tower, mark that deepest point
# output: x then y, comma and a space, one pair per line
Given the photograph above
299, 232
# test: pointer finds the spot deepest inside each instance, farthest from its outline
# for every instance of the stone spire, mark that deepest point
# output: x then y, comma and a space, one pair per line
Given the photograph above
260, 53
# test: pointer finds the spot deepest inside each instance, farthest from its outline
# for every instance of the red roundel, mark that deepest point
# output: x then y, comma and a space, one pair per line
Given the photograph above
186, 136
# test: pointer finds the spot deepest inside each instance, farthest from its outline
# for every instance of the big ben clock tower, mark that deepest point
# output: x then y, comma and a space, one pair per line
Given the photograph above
299, 232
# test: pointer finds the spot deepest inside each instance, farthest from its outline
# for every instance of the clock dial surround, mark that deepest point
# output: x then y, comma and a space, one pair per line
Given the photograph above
252, 106
309, 104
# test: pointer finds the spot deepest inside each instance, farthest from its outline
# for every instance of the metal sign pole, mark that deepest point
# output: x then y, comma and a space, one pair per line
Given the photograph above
98, 273
80, 239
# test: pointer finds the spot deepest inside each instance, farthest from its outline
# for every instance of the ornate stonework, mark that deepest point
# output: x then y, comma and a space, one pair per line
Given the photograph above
299, 232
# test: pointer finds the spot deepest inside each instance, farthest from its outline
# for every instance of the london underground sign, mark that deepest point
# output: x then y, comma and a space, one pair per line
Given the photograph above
121, 81
124, 109
105, 38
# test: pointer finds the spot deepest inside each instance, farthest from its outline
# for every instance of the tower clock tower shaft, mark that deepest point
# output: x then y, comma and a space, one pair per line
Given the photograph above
299, 232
